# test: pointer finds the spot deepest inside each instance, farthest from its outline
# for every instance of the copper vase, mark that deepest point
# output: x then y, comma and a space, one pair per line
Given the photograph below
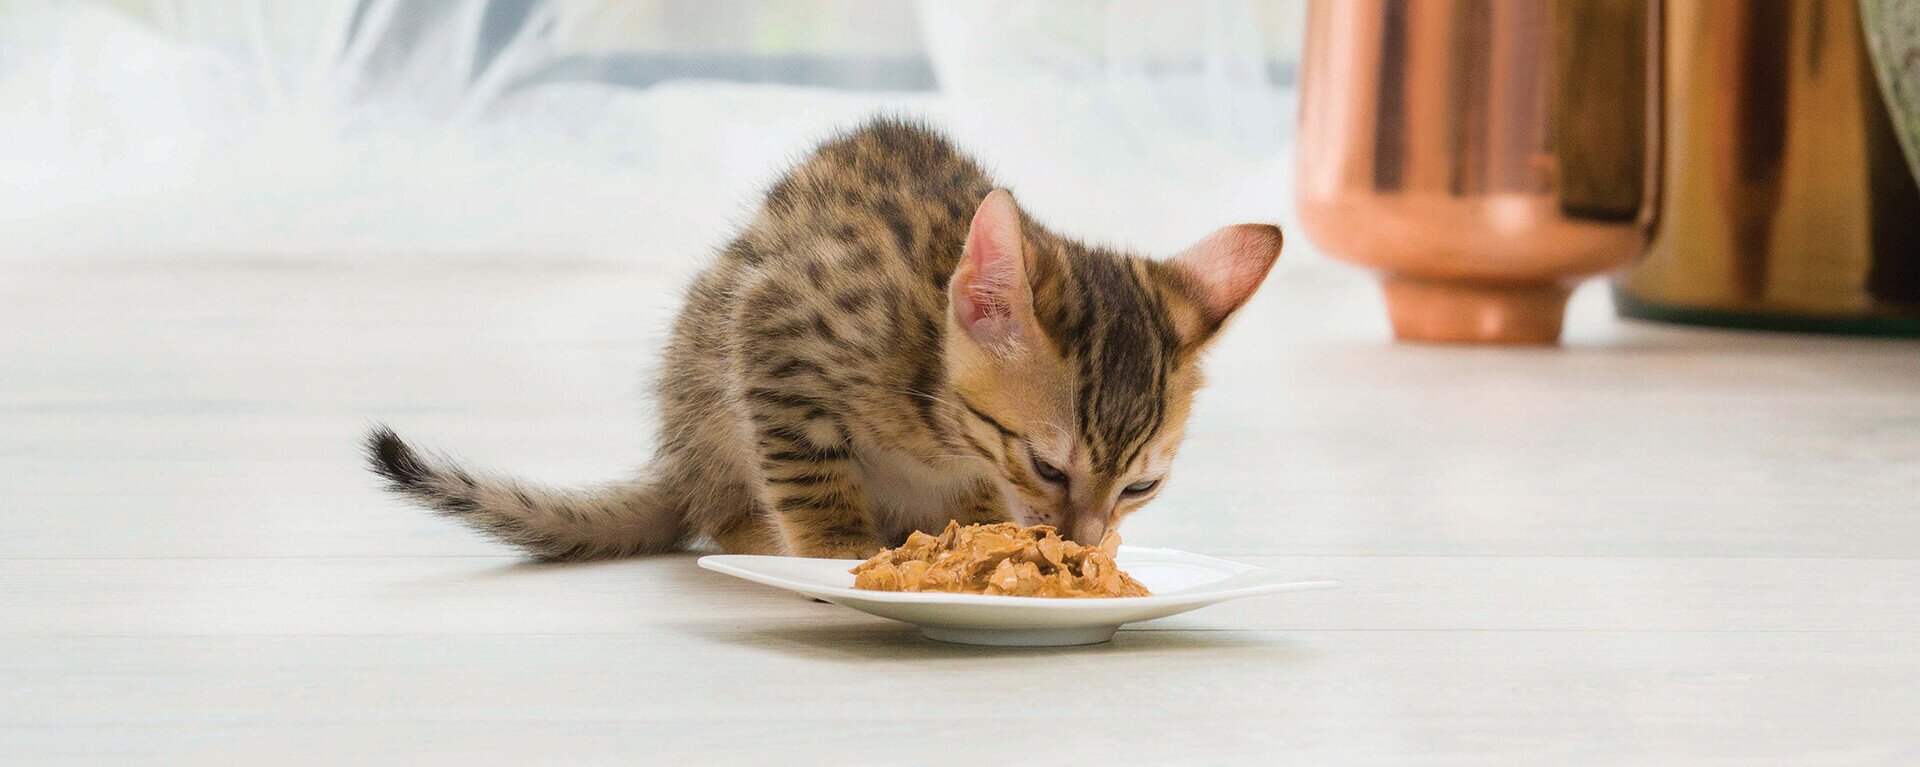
1788, 204
1482, 155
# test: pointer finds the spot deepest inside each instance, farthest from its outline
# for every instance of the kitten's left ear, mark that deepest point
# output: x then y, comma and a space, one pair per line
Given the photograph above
1222, 271
989, 295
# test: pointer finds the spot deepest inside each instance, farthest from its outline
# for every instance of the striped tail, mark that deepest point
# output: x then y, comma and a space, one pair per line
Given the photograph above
616, 520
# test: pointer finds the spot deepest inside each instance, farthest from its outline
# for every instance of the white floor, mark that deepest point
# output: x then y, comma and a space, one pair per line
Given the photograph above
1654, 546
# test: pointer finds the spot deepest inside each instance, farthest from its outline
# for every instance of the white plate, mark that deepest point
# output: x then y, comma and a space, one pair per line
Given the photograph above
1180, 581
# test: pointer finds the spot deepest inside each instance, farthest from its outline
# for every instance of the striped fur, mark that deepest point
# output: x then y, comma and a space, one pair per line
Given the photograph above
857, 365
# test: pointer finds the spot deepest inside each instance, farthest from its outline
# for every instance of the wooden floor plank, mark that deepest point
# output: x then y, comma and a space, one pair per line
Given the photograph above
816, 694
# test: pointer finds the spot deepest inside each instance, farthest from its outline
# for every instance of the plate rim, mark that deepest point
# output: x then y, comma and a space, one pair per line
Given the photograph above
724, 563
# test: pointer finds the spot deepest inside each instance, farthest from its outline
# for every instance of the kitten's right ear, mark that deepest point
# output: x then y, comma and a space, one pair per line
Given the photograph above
1221, 272
989, 293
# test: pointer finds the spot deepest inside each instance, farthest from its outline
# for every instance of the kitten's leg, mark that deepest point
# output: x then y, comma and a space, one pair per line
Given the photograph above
705, 458
818, 500
751, 534
789, 355
811, 486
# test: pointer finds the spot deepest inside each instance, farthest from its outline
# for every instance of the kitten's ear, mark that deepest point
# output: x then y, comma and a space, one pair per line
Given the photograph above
1222, 271
989, 292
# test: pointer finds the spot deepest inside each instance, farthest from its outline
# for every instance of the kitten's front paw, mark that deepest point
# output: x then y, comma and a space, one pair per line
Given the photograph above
838, 549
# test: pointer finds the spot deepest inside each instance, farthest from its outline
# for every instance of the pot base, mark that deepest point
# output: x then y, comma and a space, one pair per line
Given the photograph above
1445, 311
1882, 320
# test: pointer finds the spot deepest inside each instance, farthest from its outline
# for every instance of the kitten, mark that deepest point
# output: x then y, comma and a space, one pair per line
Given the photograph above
889, 345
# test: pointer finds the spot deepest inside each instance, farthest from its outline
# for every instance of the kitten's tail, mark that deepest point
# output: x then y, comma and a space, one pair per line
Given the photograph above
616, 520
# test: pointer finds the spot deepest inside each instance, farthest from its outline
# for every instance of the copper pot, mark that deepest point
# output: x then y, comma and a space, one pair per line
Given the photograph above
1788, 204
1483, 155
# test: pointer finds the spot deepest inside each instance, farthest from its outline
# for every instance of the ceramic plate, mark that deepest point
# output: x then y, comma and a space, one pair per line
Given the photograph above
1179, 581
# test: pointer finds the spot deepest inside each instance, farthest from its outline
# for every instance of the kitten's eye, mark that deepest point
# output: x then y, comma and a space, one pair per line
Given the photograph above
1142, 486
1048, 472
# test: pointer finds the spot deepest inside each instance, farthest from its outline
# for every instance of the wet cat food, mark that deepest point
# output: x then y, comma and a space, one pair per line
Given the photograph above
1004, 559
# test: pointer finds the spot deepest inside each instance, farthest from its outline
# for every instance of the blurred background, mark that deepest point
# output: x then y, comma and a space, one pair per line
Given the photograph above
607, 129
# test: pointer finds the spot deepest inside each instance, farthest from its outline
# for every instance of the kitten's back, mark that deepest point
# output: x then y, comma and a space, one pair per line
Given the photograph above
888, 187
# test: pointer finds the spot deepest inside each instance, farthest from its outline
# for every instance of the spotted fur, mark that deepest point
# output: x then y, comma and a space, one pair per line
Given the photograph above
888, 345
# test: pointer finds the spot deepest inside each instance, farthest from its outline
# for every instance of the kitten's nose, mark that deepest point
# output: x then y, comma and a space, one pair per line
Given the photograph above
1088, 527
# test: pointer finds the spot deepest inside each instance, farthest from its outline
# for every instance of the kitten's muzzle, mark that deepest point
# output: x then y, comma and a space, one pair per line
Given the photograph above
1088, 526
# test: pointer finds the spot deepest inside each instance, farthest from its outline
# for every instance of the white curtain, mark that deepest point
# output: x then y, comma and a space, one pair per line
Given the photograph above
618, 129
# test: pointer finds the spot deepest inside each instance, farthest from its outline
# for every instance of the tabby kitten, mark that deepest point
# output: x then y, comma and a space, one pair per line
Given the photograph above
889, 345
